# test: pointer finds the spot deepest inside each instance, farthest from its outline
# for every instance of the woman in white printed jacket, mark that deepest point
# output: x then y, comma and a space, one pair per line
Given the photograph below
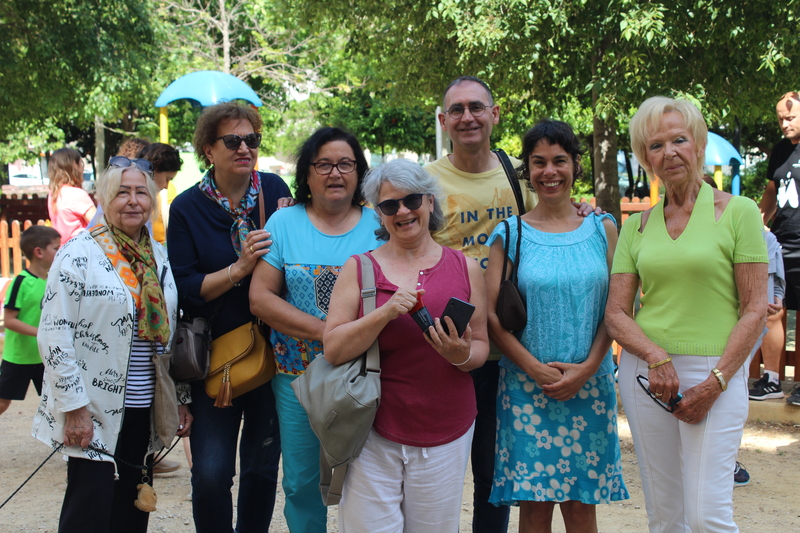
105, 333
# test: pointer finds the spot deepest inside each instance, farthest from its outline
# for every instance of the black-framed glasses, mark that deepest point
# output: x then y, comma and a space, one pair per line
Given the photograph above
390, 207
121, 161
233, 141
475, 109
644, 383
344, 166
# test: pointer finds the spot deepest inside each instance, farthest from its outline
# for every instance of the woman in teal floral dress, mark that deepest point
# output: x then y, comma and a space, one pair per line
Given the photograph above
557, 439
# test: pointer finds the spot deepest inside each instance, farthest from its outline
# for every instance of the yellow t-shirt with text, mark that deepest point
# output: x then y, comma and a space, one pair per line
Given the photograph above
474, 204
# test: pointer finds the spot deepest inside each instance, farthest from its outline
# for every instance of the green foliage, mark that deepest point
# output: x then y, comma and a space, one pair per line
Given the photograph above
753, 181
70, 59
568, 57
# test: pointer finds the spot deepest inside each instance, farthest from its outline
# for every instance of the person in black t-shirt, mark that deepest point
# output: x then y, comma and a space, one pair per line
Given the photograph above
782, 199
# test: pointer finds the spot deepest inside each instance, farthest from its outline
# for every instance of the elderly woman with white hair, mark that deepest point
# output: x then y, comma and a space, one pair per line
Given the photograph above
701, 262
107, 322
410, 474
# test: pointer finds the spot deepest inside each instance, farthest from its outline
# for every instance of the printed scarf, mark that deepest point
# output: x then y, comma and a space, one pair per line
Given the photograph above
136, 265
242, 225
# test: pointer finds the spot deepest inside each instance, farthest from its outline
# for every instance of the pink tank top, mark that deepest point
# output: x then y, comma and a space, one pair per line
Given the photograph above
425, 400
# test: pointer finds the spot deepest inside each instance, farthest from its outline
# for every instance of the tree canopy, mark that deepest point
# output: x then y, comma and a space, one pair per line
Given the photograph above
380, 70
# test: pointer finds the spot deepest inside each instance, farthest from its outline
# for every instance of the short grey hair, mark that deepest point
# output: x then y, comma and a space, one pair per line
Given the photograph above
109, 181
408, 176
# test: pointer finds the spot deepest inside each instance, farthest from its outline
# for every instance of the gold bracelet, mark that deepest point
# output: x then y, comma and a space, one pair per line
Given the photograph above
658, 364
234, 283
722, 383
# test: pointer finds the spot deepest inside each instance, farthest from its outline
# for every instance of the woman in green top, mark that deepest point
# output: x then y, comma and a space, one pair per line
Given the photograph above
701, 262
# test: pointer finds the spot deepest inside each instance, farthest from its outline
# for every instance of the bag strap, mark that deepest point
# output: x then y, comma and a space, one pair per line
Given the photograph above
331, 480
506, 246
368, 297
261, 202
511, 174
519, 242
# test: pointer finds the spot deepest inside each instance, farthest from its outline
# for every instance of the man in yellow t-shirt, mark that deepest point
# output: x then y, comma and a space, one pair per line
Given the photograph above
478, 196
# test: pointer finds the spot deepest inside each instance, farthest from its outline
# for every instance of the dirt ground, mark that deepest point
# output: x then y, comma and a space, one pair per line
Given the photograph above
771, 453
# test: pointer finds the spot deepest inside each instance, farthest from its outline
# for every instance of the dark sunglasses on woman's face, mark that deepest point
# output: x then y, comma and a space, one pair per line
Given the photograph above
390, 207
233, 141
644, 383
123, 162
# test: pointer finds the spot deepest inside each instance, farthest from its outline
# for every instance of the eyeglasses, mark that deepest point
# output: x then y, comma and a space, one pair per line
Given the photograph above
233, 141
121, 161
476, 110
324, 167
644, 383
390, 207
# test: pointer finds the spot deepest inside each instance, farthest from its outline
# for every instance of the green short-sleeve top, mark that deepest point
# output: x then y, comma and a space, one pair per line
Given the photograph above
690, 302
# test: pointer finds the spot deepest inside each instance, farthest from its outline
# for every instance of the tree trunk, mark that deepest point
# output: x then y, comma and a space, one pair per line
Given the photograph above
606, 180
99, 146
225, 26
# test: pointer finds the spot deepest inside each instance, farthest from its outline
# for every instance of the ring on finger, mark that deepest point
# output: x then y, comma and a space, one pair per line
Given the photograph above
251, 249
658, 395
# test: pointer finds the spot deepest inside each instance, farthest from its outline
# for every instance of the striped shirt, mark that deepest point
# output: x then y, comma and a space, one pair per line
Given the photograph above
141, 372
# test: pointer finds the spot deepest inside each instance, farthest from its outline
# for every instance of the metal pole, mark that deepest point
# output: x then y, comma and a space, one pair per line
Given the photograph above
438, 133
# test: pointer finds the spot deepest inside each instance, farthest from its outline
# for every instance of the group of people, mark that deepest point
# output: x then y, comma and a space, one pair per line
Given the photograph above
534, 411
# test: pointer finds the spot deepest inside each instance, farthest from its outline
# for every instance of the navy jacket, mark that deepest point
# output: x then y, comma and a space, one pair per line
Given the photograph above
199, 243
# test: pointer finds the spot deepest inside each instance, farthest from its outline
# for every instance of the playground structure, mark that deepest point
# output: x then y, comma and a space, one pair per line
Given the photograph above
203, 88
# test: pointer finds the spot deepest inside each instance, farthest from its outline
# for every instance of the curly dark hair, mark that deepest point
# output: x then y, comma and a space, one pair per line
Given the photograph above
164, 157
205, 133
309, 150
132, 146
554, 132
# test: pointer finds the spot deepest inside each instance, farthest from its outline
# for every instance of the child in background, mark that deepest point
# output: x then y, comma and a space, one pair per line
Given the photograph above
69, 206
21, 363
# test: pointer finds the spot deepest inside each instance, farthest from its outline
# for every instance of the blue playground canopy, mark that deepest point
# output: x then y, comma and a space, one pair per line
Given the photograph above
206, 88
720, 152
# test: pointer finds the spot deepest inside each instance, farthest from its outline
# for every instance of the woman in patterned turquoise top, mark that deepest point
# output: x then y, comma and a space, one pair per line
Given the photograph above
291, 291
557, 438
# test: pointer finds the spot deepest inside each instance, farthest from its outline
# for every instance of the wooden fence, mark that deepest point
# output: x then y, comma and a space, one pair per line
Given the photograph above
23, 207
11, 259
628, 207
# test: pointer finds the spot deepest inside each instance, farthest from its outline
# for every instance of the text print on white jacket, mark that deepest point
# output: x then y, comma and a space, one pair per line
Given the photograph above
85, 337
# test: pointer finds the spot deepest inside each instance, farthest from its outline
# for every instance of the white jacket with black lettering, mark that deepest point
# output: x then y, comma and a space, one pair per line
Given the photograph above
84, 338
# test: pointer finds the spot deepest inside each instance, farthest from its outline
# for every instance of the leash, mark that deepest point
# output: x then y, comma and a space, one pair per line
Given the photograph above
33, 474
131, 465
126, 463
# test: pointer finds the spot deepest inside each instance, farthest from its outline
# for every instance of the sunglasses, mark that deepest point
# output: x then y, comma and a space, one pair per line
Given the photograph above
644, 383
390, 207
121, 161
233, 141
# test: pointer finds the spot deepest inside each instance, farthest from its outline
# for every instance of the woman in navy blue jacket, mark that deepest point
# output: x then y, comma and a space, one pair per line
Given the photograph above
215, 239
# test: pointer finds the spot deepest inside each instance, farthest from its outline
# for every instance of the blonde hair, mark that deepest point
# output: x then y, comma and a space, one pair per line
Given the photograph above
62, 171
648, 118
108, 186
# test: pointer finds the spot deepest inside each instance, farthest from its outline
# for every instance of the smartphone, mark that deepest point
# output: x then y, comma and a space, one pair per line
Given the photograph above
459, 312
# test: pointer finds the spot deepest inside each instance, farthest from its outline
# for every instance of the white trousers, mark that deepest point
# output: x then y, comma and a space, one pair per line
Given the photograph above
392, 488
686, 469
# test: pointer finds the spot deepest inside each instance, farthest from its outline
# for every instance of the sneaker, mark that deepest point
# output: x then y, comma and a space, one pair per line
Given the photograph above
764, 389
165, 465
740, 476
794, 396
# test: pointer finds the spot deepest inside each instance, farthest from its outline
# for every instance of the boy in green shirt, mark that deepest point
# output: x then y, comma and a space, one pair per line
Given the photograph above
21, 363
